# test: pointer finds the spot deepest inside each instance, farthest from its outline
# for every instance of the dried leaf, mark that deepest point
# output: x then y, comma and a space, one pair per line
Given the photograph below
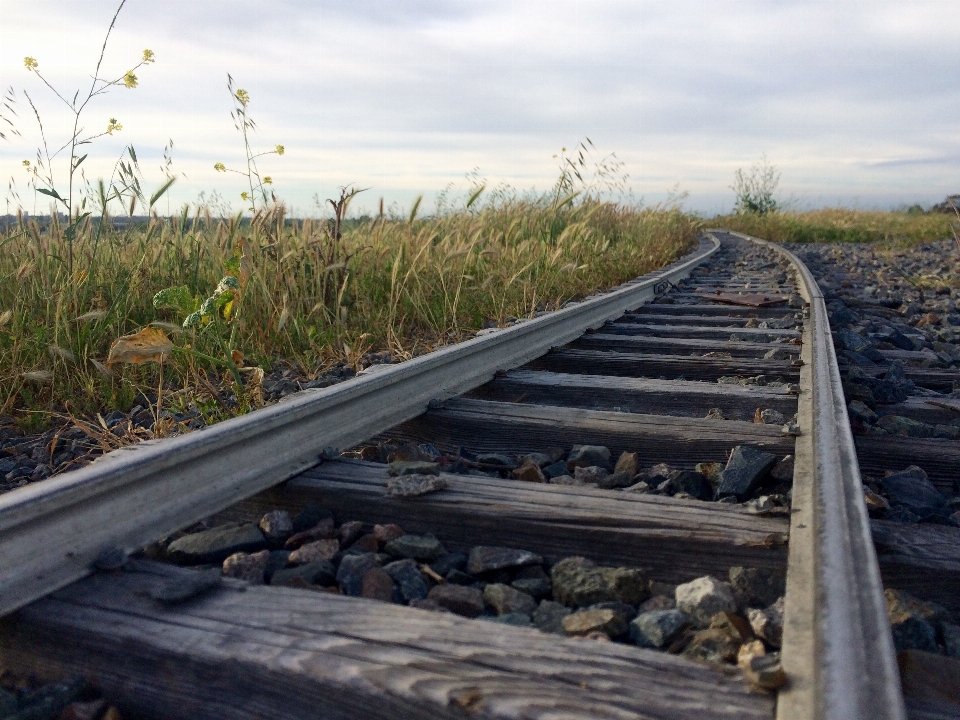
149, 345
237, 358
39, 376
5, 317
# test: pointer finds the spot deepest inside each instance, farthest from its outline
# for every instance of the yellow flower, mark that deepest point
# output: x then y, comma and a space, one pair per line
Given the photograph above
148, 56
267, 180
244, 196
219, 167
243, 97
279, 149
26, 163
130, 80
113, 126
30, 64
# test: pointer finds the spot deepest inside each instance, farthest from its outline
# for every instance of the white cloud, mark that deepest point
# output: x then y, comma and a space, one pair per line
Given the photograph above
851, 100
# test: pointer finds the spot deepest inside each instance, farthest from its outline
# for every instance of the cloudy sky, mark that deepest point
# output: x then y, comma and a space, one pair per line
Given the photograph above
854, 102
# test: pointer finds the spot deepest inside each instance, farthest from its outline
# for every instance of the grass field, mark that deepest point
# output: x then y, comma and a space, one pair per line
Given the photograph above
293, 290
842, 225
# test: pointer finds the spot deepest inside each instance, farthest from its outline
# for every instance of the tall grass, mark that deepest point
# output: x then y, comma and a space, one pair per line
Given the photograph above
309, 296
842, 225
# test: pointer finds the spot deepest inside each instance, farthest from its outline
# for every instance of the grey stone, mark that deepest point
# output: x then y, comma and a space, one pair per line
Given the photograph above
310, 517
912, 632
911, 489
458, 577
505, 599
712, 645
905, 427
767, 623
849, 340
351, 571
277, 525
217, 544
555, 469
592, 474
466, 601
417, 547
703, 598
859, 411
415, 485
588, 455
412, 467
549, 616
772, 417
744, 472
277, 561
783, 470
692, 483
497, 461
615, 481
757, 587
451, 561
532, 580
776, 354
407, 575
486, 558
658, 628
320, 572
629, 612
244, 566
593, 620
578, 582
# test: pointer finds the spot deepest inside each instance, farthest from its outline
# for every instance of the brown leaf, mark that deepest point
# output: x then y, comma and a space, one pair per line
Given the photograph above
149, 345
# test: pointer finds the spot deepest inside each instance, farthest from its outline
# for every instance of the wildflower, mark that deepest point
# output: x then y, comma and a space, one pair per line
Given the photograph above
243, 97
148, 56
30, 64
279, 150
219, 167
267, 180
244, 195
26, 163
113, 125
130, 80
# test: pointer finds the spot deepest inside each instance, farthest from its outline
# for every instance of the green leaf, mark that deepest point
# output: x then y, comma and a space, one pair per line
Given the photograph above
232, 265
178, 298
224, 298
133, 153
163, 188
77, 163
51, 193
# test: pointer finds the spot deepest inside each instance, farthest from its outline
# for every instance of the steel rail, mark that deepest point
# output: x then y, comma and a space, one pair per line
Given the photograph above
837, 647
52, 533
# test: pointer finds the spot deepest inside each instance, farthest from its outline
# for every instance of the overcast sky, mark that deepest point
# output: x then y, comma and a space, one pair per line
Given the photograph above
854, 102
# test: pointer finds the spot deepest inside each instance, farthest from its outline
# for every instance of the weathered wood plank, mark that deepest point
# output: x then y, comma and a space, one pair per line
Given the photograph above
635, 395
254, 652
921, 559
598, 362
709, 332
919, 409
677, 346
940, 459
676, 540
484, 426
688, 320
701, 308
939, 380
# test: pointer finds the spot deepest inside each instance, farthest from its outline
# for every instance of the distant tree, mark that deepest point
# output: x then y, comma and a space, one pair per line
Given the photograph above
755, 189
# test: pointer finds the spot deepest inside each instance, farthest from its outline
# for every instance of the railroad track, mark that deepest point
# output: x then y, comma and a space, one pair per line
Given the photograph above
595, 433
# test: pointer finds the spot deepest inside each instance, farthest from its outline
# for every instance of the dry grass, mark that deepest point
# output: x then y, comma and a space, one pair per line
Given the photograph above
842, 225
308, 296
